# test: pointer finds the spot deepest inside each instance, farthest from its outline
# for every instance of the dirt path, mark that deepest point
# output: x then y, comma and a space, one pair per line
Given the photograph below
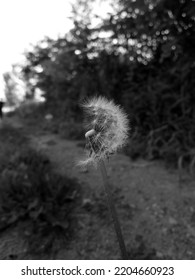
157, 215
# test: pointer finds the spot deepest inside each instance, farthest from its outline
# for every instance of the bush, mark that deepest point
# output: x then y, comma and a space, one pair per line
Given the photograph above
32, 193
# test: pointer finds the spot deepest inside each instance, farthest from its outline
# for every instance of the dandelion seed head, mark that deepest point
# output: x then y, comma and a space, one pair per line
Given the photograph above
108, 125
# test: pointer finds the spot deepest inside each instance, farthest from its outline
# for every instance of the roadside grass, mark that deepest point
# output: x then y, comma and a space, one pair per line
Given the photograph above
33, 195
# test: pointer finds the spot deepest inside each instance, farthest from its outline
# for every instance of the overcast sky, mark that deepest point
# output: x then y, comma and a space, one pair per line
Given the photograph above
27, 21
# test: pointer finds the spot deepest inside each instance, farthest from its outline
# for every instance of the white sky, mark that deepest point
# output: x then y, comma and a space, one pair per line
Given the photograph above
27, 21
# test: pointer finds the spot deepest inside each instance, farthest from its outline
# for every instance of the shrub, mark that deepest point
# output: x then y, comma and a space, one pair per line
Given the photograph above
32, 193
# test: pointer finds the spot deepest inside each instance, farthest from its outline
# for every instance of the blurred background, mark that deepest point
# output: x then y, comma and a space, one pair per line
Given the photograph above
55, 54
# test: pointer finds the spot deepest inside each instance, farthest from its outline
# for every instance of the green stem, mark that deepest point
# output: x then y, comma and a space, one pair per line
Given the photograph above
113, 210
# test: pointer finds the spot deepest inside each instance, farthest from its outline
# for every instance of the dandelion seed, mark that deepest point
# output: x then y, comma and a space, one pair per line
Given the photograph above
108, 126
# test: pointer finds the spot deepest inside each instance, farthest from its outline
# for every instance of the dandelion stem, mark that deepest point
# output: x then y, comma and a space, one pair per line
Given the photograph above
113, 210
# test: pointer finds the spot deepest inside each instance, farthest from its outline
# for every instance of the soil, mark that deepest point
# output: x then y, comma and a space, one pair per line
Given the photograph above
155, 206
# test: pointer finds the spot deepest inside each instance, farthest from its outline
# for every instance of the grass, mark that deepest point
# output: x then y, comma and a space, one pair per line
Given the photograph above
33, 195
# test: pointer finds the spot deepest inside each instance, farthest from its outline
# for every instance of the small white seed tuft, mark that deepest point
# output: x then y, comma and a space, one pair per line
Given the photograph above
89, 133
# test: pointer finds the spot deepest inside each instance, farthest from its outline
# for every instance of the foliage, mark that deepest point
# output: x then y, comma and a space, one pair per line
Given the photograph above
142, 56
32, 193
10, 142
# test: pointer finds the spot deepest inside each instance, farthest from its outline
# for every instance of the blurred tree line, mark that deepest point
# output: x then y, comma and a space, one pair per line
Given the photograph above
142, 55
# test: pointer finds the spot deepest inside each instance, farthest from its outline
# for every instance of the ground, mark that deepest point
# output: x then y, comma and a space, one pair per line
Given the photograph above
154, 204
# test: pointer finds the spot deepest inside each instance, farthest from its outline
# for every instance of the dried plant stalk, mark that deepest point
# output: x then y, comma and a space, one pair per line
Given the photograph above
116, 223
